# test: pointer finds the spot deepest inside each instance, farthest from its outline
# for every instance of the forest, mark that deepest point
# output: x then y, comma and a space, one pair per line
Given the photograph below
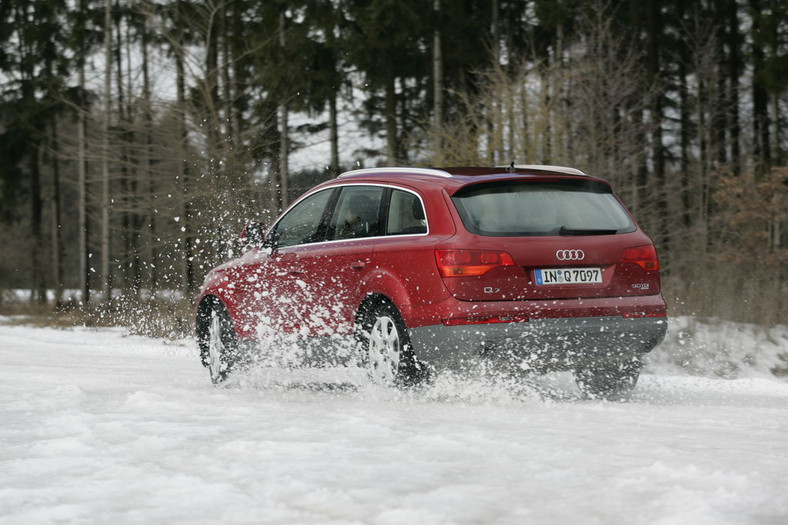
137, 137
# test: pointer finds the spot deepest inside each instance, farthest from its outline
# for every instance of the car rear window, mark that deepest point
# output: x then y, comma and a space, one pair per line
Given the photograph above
541, 208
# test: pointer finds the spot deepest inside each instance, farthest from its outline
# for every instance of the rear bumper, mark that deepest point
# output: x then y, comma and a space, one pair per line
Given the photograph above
539, 343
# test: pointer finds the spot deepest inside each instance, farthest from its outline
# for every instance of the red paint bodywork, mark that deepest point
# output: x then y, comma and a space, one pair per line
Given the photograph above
317, 289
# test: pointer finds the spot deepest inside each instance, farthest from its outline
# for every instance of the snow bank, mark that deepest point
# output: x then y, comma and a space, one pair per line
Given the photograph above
716, 348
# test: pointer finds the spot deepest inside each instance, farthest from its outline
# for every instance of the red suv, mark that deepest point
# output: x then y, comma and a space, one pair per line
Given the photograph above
533, 267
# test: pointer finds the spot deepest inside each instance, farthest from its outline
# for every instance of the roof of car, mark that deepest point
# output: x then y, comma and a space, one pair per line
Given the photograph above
394, 170
463, 171
459, 176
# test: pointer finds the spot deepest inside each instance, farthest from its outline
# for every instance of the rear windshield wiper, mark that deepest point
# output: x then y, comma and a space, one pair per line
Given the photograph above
563, 230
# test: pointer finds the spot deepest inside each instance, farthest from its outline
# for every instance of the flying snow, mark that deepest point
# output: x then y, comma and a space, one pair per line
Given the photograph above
101, 427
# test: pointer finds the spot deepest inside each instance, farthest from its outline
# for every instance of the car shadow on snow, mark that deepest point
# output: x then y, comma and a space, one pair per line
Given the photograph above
467, 387
484, 387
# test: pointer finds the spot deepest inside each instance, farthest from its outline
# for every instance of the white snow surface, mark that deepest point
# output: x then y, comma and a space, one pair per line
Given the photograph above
100, 427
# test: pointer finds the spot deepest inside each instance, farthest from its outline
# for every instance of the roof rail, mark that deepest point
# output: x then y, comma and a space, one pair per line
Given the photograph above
396, 170
546, 167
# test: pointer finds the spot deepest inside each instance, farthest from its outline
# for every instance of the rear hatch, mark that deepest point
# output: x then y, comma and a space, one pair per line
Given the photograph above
546, 239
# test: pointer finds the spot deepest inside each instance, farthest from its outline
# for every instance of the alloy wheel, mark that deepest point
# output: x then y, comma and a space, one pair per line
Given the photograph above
384, 350
216, 348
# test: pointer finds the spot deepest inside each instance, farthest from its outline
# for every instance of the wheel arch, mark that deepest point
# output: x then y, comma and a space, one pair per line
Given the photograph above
371, 301
384, 285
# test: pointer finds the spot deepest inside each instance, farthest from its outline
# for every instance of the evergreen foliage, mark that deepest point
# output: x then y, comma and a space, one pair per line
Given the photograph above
682, 105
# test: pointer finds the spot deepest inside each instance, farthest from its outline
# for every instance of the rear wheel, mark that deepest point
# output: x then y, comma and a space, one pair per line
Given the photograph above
611, 380
218, 342
385, 348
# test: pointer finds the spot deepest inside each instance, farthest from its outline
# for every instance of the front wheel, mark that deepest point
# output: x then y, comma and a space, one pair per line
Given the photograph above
612, 380
386, 350
218, 342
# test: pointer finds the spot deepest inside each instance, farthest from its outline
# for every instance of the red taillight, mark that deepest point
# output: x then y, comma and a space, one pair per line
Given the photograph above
643, 256
470, 263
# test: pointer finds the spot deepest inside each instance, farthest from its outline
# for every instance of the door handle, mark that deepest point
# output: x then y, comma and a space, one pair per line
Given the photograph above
358, 265
296, 271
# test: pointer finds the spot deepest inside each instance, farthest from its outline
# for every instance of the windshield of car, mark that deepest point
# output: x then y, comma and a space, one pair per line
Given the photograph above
541, 208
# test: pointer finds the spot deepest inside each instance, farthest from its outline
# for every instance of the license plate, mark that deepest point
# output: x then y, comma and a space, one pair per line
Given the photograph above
569, 276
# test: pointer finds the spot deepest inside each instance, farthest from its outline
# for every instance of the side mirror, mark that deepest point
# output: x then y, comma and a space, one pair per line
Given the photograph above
252, 235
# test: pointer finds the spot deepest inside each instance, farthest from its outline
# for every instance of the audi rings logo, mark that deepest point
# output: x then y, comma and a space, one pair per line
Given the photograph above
570, 255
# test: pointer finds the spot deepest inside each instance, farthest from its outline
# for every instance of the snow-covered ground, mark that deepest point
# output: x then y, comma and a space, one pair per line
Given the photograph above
98, 427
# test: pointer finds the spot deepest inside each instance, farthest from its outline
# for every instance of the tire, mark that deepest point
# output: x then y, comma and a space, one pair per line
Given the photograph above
218, 342
386, 352
611, 380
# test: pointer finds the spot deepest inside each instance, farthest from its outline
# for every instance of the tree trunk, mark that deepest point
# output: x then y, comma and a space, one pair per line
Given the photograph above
284, 166
147, 165
82, 173
38, 294
24, 15
127, 188
495, 31
212, 88
684, 141
390, 111
776, 39
188, 250
760, 96
657, 190
284, 146
57, 229
403, 121
495, 47
240, 97
437, 84
721, 110
227, 94
105, 198
333, 131
547, 133
136, 207
272, 129
734, 71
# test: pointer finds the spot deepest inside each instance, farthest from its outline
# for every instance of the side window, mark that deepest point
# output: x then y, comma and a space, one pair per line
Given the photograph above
301, 225
406, 214
357, 213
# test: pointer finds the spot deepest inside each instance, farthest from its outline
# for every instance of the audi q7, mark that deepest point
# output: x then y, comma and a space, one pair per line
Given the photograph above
532, 268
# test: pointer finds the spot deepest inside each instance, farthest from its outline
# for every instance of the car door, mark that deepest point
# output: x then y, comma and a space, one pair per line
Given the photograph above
327, 275
270, 288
